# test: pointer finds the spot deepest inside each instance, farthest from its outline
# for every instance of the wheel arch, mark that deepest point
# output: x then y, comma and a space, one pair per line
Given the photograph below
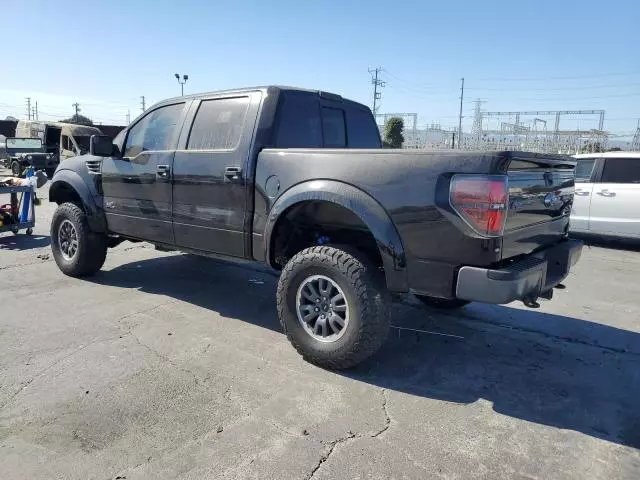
356, 201
68, 186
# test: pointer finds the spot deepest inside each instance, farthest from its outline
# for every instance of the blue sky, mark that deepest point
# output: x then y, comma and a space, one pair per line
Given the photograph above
515, 55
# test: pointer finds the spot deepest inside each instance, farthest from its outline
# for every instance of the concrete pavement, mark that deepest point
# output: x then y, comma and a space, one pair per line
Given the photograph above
171, 366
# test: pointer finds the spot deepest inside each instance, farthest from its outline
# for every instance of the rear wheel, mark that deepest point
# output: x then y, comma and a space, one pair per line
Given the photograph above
333, 307
76, 249
443, 303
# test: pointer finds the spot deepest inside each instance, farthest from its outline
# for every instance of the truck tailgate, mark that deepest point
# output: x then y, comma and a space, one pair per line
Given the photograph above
541, 193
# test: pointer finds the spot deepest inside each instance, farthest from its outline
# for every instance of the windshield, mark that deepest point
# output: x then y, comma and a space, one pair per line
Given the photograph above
83, 143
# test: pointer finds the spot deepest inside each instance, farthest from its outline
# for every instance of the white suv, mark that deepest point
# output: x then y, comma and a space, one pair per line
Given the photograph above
607, 199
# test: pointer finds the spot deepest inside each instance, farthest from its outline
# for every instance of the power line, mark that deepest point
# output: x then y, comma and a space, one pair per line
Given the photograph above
563, 98
552, 89
573, 77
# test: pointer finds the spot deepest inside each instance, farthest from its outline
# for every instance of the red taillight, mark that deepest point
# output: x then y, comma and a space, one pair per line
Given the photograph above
481, 201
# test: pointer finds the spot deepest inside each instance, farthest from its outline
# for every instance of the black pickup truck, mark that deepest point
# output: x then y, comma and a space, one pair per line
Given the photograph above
297, 179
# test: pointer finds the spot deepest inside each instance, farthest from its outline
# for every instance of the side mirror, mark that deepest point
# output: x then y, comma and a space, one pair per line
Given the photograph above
101, 146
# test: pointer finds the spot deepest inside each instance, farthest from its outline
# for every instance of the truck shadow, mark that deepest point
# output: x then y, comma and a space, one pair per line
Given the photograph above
23, 241
544, 368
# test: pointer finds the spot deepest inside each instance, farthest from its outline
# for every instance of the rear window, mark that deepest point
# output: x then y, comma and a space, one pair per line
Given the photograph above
218, 124
304, 123
621, 170
363, 131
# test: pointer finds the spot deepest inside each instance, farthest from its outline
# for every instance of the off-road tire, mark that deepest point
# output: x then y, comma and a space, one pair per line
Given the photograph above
443, 303
92, 247
367, 300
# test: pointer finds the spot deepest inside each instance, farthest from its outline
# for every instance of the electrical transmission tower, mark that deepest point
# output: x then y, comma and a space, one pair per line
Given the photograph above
476, 129
635, 143
77, 108
377, 83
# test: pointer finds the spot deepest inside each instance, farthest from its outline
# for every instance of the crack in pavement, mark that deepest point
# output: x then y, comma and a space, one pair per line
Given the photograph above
351, 436
387, 422
167, 359
52, 365
328, 453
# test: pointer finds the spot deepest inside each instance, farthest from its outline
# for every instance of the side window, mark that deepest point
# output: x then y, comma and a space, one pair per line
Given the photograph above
363, 131
66, 143
154, 131
299, 124
335, 135
218, 124
584, 169
621, 170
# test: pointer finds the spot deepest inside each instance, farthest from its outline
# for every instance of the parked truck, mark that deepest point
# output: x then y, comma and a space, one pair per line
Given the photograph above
297, 180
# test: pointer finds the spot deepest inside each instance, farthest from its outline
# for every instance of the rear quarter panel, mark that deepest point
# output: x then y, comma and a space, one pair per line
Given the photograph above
402, 181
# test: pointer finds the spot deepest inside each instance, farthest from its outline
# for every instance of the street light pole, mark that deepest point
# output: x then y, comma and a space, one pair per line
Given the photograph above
182, 81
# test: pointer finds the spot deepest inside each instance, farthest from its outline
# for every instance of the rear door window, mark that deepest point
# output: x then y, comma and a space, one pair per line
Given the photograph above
621, 170
333, 127
584, 169
218, 124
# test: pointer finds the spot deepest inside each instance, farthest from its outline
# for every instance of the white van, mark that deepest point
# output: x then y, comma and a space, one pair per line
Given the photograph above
607, 197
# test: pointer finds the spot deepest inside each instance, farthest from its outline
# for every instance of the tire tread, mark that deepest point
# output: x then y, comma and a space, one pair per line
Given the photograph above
370, 294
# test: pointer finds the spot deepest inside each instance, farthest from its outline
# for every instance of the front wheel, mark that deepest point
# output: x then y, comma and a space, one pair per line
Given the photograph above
16, 169
333, 307
77, 250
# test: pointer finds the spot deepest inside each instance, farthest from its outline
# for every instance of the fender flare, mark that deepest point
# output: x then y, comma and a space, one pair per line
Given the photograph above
365, 207
65, 179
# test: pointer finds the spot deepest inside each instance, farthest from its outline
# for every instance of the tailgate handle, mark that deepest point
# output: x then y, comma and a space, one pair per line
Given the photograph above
606, 193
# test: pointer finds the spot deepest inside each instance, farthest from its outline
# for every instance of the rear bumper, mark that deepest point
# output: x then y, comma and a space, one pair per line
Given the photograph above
522, 280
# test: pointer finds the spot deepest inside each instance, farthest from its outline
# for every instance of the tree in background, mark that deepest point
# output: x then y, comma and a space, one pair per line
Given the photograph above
393, 137
79, 120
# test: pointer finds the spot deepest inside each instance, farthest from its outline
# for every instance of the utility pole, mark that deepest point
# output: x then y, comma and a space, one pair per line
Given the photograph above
37, 116
33, 113
77, 107
460, 114
29, 108
129, 117
376, 83
142, 103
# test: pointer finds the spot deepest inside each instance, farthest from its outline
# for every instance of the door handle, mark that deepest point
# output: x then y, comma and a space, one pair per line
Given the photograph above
582, 193
232, 174
163, 171
606, 193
